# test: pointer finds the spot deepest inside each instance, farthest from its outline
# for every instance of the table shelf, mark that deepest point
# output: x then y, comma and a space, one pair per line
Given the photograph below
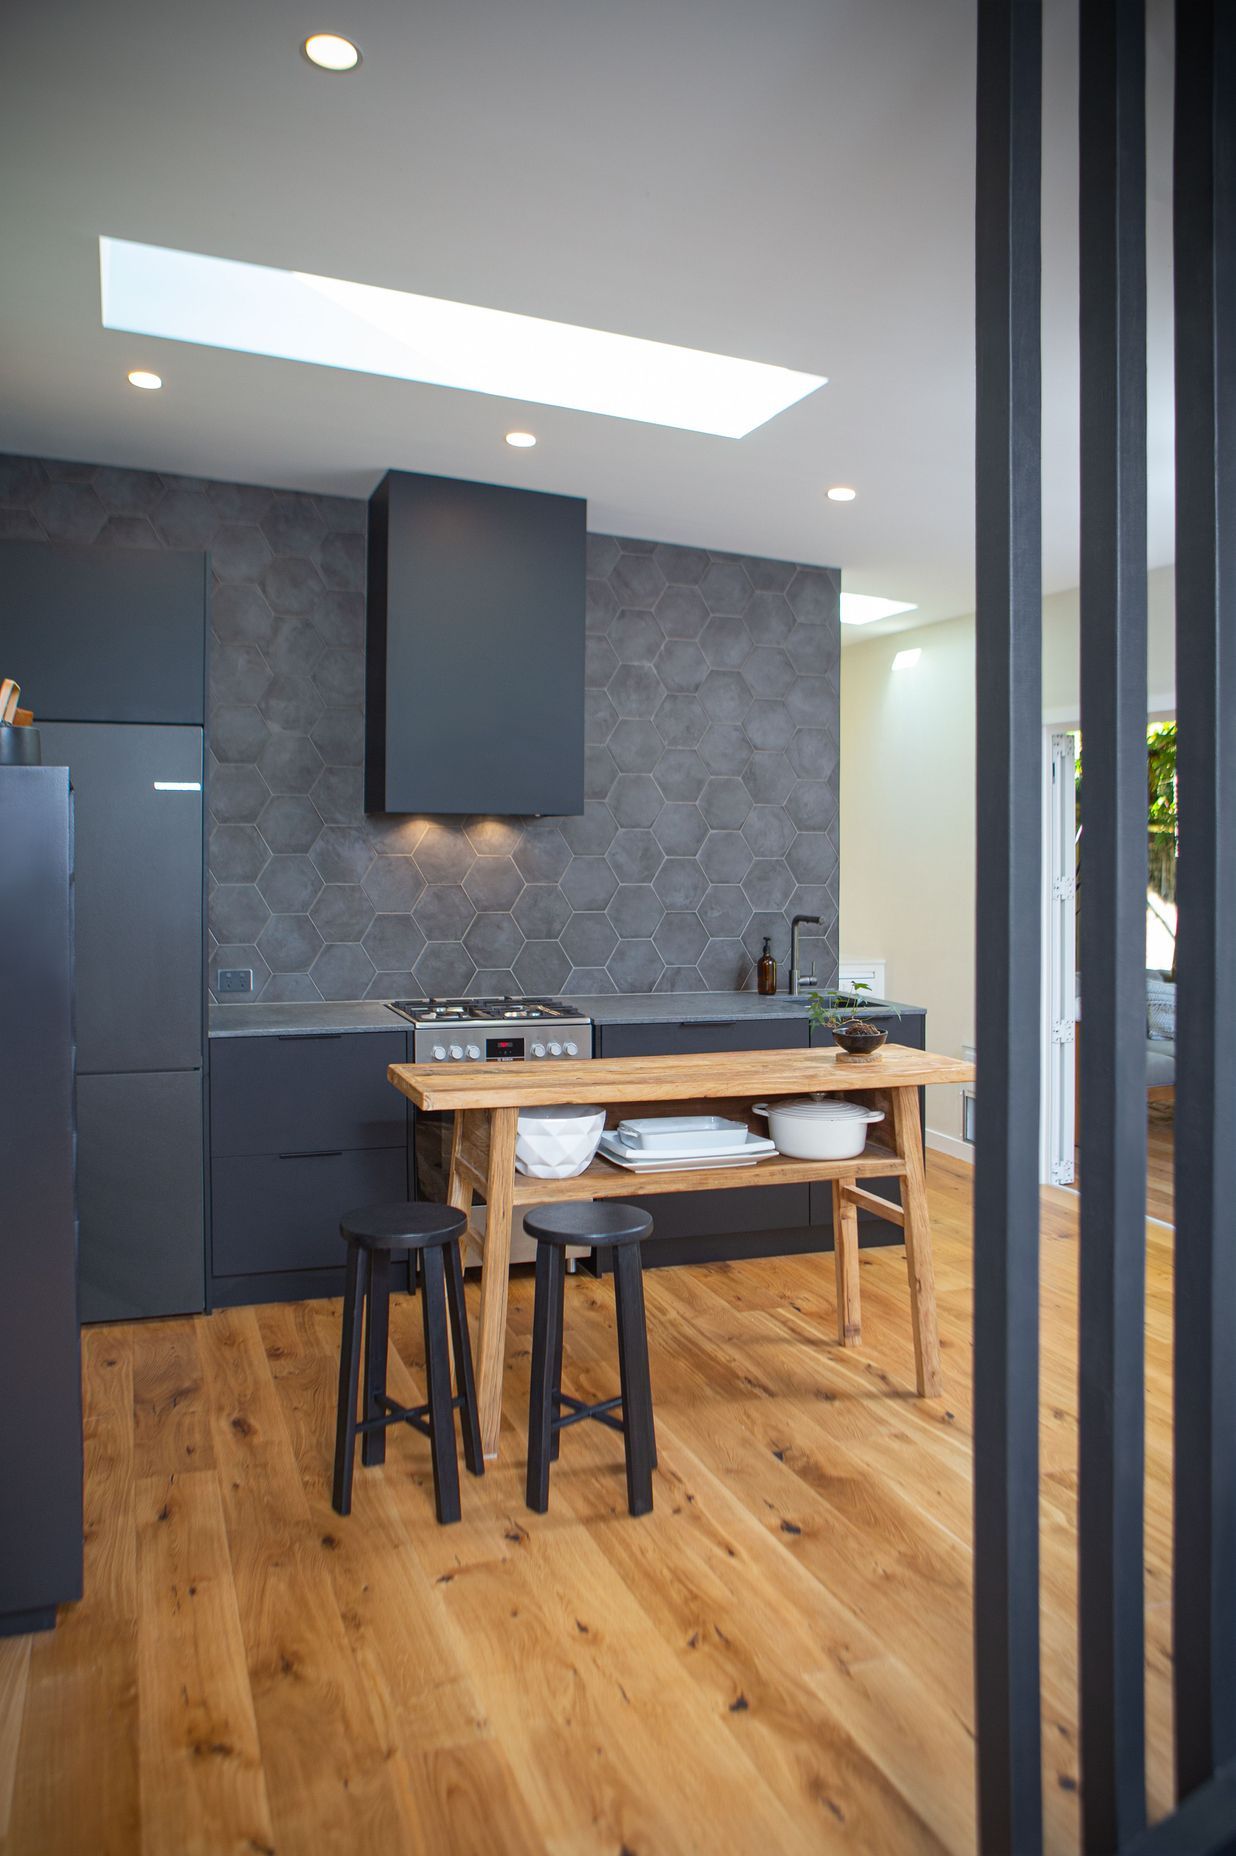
603, 1181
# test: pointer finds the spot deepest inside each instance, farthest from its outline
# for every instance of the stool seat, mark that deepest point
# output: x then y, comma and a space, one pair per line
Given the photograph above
590, 1221
405, 1226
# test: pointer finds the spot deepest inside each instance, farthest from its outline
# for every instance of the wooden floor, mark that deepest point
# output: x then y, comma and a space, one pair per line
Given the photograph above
1160, 1161
777, 1660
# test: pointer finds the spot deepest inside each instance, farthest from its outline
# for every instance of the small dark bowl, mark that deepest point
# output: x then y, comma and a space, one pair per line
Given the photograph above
860, 1043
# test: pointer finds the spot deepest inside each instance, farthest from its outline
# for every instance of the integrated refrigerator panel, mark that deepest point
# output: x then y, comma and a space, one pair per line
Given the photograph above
140, 892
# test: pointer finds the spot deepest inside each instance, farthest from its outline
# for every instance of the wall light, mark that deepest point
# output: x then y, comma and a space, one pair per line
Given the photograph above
141, 377
330, 51
906, 660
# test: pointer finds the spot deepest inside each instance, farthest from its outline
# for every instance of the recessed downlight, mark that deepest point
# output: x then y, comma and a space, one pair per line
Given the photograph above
330, 51
841, 493
522, 441
142, 377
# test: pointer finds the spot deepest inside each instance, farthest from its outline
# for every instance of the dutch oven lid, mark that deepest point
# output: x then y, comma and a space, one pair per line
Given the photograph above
821, 1108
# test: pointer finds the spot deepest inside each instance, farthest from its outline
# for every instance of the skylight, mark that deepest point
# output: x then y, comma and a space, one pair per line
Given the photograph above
866, 608
184, 296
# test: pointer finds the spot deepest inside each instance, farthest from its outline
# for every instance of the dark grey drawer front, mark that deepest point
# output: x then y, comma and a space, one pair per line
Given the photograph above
750, 1208
272, 1214
274, 1095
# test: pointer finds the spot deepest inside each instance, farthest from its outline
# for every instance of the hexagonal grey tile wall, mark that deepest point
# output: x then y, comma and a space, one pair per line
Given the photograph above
712, 727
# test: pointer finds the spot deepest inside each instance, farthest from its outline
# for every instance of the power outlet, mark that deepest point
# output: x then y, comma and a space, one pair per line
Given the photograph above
235, 979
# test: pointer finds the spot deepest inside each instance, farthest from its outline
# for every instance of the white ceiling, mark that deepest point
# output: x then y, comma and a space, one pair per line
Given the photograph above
791, 182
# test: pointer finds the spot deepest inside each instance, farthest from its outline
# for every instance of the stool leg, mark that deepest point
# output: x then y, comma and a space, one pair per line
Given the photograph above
349, 1367
377, 1333
556, 1377
636, 1385
546, 1330
465, 1383
438, 1380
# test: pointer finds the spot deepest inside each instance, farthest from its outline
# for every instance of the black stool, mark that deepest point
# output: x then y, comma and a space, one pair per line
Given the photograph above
592, 1222
373, 1235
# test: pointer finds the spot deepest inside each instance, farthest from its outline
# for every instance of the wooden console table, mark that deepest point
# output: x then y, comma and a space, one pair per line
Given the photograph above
486, 1100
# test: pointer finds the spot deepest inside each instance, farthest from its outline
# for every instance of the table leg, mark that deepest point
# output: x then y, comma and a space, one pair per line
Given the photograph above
845, 1257
495, 1272
908, 1139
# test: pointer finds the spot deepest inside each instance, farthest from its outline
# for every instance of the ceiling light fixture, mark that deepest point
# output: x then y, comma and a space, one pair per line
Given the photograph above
866, 608
185, 296
330, 51
141, 377
522, 441
906, 660
841, 493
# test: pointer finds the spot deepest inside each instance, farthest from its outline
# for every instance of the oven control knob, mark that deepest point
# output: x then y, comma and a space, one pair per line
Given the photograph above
571, 1048
474, 1050
538, 1050
439, 1053
456, 1051
555, 1049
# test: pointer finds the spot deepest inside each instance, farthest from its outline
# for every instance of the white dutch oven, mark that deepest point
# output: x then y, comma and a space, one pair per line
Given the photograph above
818, 1127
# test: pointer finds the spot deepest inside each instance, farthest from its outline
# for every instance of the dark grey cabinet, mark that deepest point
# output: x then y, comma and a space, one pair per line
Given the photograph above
304, 1127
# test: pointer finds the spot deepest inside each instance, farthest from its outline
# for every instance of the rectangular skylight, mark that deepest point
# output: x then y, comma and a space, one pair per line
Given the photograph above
866, 608
184, 296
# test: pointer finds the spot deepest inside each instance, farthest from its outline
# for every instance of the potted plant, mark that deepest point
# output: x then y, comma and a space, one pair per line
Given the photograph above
858, 1037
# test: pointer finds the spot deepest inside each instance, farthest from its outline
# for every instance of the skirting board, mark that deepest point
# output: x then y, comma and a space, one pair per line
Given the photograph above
950, 1144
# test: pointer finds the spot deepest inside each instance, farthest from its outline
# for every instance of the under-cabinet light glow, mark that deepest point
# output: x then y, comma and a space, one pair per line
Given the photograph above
184, 296
906, 660
866, 608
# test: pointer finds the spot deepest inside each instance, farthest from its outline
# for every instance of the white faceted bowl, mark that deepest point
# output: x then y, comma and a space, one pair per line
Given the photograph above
557, 1143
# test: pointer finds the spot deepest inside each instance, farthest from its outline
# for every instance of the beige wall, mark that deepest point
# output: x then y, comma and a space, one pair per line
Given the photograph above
907, 805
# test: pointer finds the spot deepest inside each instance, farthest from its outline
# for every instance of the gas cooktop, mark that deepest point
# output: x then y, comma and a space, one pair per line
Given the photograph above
494, 1030
486, 1011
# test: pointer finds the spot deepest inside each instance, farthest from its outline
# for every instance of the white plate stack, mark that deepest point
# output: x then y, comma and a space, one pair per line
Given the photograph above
682, 1144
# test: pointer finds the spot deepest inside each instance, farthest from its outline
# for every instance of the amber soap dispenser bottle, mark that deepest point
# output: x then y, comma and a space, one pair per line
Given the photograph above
766, 972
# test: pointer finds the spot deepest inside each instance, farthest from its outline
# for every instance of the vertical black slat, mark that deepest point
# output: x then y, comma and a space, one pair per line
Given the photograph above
1205, 1323
1113, 917
1006, 1192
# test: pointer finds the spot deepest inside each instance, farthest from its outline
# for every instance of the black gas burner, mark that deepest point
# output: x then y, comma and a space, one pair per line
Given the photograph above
462, 1011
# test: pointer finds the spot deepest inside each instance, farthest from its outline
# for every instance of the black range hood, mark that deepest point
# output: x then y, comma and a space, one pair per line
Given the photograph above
474, 676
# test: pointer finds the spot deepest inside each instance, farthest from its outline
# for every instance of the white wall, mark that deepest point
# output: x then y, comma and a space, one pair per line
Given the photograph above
907, 804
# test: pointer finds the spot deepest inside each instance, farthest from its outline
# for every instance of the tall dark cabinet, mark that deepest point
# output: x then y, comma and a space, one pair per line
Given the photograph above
40, 1373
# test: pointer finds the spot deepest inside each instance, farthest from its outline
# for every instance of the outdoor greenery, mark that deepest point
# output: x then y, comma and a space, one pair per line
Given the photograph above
1161, 794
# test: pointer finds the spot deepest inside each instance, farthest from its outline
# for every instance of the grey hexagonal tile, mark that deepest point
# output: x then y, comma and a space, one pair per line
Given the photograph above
589, 939
768, 618
812, 805
542, 911
343, 912
768, 672
237, 795
769, 831
592, 833
541, 967
340, 678
768, 725
680, 721
681, 612
393, 884
818, 899
238, 502
725, 965
542, 854
342, 972
292, 524
813, 753
726, 642
493, 883
492, 837
635, 799
768, 576
725, 803
725, 748
291, 584
769, 883
339, 737
238, 956
443, 913
813, 594
680, 883
680, 829
237, 853
812, 857
184, 518
681, 664
600, 605
291, 702
634, 856
341, 561
394, 834
600, 661
289, 763
636, 966
342, 854
444, 854
635, 636
337, 795
770, 778
19, 525
681, 566
635, 911
589, 982
394, 943
444, 968
588, 883
600, 718
600, 772
601, 554
635, 689
494, 983
295, 647
290, 943
238, 912
290, 823
131, 492
238, 552
339, 619
494, 939
127, 532
725, 696
812, 649
725, 857
293, 988
636, 747
389, 986
238, 732
680, 938
290, 885
21, 479
725, 585
240, 615
810, 703
238, 674
348, 513
639, 582
680, 773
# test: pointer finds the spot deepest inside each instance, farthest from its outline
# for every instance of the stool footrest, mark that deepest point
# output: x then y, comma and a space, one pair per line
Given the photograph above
415, 1415
577, 1411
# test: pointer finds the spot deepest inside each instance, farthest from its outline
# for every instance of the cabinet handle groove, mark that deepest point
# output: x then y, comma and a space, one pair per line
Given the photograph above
307, 1037
318, 1153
